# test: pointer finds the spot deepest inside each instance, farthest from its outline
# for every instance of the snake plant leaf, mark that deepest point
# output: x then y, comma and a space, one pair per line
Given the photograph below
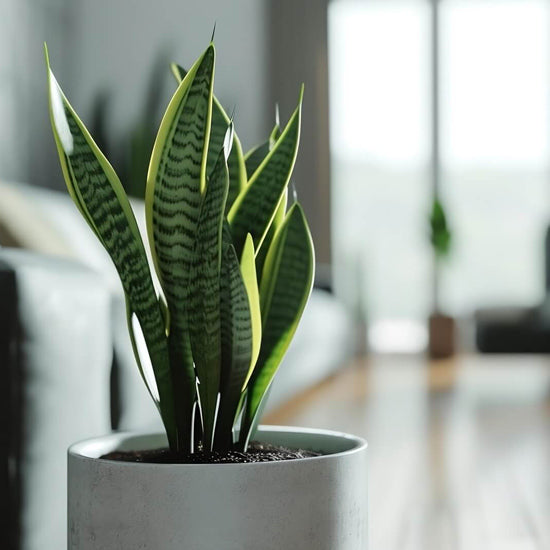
277, 221
236, 331
175, 183
253, 159
204, 284
254, 209
130, 318
98, 193
256, 155
227, 239
283, 295
248, 270
235, 161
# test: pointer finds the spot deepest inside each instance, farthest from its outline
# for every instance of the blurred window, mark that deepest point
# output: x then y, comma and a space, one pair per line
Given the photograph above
495, 147
494, 59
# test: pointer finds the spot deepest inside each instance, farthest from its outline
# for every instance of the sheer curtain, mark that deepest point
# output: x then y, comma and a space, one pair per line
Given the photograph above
495, 146
380, 145
494, 94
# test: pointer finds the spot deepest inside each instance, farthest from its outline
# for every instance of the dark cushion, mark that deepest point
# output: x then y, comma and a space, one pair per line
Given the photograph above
512, 330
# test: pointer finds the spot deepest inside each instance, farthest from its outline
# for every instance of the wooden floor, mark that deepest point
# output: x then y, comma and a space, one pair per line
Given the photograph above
459, 450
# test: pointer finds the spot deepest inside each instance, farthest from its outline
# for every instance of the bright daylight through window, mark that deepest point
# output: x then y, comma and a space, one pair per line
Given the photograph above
494, 142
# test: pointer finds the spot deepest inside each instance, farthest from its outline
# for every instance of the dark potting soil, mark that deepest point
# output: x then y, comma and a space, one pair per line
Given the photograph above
257, 452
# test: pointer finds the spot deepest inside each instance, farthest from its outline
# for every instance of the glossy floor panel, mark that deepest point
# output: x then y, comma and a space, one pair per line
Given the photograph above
459, 450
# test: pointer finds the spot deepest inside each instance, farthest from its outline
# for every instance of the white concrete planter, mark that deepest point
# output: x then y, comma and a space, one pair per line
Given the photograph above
317, 503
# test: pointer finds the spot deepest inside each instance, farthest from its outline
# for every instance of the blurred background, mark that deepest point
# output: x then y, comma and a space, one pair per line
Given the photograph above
424, 170
447, 100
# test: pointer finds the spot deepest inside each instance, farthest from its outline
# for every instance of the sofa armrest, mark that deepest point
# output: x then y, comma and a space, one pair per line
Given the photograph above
58, 361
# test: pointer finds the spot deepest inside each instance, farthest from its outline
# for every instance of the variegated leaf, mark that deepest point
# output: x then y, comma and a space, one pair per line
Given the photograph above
277, 221
283, 294
175, 182
236, 331
254, 158
256, 155
98, 193
255, 207
204, 288
250, 278
235, 161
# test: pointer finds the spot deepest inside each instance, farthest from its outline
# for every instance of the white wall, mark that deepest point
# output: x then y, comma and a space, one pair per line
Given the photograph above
27, 151
118, 41
112, 44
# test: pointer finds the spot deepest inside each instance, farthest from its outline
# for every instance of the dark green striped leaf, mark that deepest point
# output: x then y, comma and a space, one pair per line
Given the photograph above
227, 239
204, 285
130, 316
175, 182
256, 155
99, 195
270, 235
235, 161
254, 158
236, 331
285, 289
255, 207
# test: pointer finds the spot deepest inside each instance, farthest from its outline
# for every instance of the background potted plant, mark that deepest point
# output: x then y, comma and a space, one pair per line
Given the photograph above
441, 327
233, 269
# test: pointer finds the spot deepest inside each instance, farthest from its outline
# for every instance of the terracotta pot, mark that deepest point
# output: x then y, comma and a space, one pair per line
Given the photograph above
441, 331
318, 502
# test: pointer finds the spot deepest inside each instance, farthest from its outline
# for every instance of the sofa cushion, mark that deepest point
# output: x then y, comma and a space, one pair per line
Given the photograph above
24, 225
48, 222
323, 343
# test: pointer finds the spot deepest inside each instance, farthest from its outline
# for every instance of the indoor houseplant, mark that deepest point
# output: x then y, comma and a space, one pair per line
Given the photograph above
441, 327
235, 267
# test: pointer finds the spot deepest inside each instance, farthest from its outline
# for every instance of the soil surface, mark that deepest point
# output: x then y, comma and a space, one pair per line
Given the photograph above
257, 452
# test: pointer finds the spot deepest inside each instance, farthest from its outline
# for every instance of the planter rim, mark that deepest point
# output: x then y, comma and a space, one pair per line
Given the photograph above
81, 449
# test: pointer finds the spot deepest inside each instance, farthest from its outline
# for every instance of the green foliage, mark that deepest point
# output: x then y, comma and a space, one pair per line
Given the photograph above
440, 235
285, 287
234, 266
218, 128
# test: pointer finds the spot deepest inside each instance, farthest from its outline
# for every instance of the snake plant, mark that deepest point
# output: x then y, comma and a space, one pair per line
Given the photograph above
233, 262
